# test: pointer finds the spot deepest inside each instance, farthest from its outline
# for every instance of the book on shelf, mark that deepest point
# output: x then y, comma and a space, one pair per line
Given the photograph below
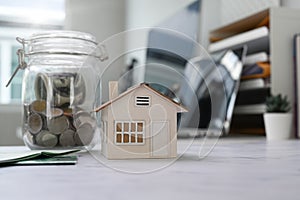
243, 25
256, 40
256, 70
255, 83
297, 83
251, 98
256, 57
250, 109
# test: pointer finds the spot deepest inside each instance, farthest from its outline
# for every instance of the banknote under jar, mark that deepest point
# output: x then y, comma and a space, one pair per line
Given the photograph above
60, 88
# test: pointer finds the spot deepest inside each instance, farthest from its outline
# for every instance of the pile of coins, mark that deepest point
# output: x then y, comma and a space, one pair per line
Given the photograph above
54, 119
56, 127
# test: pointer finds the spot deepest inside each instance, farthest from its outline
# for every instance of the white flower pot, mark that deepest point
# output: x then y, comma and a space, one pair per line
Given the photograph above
278, 126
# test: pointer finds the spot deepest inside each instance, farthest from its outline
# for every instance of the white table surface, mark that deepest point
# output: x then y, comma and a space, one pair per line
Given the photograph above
237, 168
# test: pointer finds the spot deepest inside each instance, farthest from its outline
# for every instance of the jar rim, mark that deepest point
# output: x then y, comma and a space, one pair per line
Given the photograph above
63, 34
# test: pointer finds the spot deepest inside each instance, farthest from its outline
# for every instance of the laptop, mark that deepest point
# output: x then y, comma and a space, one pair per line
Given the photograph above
209, 90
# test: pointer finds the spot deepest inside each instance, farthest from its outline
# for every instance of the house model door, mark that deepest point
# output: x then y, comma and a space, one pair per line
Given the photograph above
160, 138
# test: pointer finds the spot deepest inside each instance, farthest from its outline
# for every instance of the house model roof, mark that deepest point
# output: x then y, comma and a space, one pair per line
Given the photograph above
179, 107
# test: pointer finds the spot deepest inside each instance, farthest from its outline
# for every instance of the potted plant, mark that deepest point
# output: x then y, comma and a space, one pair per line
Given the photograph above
278, 119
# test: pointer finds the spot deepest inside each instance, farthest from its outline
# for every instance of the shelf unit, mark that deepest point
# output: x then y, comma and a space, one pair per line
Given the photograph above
283, 24
273, 28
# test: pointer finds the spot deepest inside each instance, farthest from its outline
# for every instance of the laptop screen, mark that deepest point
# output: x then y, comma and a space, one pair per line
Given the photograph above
209, 89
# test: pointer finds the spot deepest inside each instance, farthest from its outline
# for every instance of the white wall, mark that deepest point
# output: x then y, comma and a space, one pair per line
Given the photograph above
102, 18
290, 3
146, 14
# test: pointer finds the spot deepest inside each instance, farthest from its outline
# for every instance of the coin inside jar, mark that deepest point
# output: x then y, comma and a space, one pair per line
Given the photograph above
66, 139
38, 106
58, 125
35, 123
46, 139
84, 134
83, 117
54, 112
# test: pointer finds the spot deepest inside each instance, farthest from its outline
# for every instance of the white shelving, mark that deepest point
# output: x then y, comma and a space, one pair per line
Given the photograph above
256, 40
283, 24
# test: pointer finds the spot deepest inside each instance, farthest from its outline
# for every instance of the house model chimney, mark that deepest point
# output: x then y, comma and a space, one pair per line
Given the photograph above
113, 89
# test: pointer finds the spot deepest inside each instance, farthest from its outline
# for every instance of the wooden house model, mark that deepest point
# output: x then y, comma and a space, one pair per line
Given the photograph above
139, 123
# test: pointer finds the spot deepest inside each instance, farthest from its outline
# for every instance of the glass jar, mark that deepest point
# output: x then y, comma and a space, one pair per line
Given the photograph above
60, 89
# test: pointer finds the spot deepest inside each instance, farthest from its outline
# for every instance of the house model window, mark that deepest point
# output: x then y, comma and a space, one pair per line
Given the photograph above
143, 101
129, 132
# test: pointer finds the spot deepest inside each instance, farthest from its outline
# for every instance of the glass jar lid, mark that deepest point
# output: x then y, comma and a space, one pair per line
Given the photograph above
63, 34
61, 42
58, 42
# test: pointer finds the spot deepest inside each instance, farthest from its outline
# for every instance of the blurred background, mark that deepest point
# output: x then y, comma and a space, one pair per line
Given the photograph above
103, 19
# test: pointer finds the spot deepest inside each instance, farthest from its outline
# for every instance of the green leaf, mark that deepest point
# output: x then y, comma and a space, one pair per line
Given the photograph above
278, 103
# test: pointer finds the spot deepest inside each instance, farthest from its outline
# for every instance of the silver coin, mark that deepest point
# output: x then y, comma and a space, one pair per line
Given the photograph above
53, 113
83, 117
38, 106
66, 139
58, 124
84, 134
46, 139
35, 123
